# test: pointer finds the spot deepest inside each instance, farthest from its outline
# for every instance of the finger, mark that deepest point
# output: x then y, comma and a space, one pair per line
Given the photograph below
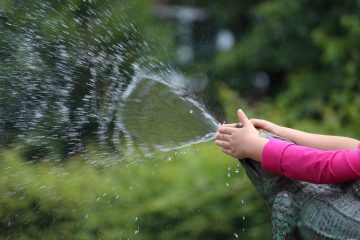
263, 124
259, 123
223, 137
223, 144
226, 130
243, 118
229, 125
228, 151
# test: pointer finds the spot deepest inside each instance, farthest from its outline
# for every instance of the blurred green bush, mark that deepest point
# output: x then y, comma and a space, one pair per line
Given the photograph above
308, 51
197, 194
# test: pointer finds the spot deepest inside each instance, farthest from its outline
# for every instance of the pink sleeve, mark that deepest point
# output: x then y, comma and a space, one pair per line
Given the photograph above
309, 164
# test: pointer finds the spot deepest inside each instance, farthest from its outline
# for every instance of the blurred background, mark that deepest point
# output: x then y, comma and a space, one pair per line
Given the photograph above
65, 64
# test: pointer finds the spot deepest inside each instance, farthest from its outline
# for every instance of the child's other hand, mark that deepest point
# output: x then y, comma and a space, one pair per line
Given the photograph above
266, 125
242, 142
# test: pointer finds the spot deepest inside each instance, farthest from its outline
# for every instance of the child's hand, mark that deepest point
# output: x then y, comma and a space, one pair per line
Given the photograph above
242, 142
266, 125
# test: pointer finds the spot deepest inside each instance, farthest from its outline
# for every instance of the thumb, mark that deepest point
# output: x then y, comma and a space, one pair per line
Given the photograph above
243, 118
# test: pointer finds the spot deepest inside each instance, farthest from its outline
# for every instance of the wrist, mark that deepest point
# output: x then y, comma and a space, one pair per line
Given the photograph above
257, 147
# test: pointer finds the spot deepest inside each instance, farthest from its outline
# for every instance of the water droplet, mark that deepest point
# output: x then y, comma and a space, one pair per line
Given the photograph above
227, 184
169, 158
236, 235
243, 218
136, 218
137, 231
228, 174
191, 111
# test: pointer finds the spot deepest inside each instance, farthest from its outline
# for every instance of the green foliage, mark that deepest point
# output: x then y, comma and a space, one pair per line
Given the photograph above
314, 45
199, 194
309, 51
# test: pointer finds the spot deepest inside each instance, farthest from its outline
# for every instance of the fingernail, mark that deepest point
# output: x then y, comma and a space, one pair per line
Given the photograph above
240, 110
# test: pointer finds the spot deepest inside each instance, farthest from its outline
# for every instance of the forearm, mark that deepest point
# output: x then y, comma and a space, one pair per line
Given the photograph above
310, 164
318, 141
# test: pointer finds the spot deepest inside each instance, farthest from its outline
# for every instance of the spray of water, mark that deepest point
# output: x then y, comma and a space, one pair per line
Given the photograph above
157, 114
73, 75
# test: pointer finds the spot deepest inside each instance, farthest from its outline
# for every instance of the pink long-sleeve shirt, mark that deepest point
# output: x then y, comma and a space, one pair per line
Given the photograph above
309, 164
